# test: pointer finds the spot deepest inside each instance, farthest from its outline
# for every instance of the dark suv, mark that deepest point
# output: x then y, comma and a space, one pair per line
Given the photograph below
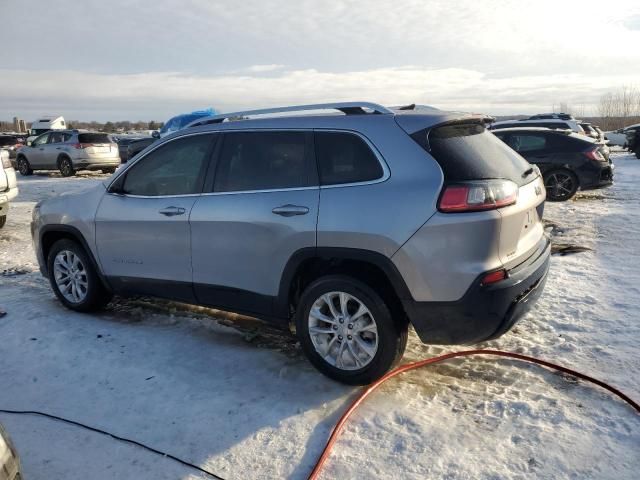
568, 161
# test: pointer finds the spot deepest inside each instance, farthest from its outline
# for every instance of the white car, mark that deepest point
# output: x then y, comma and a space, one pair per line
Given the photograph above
8, 185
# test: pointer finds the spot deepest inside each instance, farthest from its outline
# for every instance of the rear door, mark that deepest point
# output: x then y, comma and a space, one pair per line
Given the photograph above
261, 209
142, 223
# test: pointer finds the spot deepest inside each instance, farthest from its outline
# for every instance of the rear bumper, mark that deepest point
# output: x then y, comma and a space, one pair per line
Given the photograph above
484, 312
601, 176
96, 164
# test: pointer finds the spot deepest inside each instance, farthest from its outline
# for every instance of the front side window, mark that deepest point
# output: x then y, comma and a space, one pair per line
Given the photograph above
264, 161
56, 137
40, 140
176, 168
345, 158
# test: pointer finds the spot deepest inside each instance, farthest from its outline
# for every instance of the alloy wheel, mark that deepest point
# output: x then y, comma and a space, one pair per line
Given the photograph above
23, 166
343, 331
70, 276
560, 185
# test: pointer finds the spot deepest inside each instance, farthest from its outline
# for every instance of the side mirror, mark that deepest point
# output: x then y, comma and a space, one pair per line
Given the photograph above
155, 134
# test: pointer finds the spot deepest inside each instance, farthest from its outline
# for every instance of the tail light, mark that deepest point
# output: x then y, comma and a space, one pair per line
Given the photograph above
478, 196
594, 154
6, 163
494, 277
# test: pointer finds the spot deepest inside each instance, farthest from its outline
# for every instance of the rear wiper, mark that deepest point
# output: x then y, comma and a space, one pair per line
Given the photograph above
527, 172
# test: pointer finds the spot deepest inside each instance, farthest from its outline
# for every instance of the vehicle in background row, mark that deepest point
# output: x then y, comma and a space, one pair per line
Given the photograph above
589, 131
556, 124
130, 147
10, 468
601, 137
46, 124
11, 142
69, 151
617, 138
181, 121
295, 219
552, 115
8, 187
568, 161
631, 133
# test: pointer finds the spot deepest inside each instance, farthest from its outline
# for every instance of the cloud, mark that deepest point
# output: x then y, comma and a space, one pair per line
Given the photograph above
264, 68
159, 95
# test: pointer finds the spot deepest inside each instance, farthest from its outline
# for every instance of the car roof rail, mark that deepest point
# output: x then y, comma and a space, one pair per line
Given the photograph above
348, 108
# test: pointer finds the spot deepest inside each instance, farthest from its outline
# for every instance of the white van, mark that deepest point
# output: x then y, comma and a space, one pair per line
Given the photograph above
44, 124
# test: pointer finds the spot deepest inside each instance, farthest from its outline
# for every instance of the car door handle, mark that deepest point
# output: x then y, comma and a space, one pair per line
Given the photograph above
290, 210
172, 211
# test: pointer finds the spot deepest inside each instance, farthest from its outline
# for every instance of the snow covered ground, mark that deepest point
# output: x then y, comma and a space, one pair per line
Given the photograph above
240, 400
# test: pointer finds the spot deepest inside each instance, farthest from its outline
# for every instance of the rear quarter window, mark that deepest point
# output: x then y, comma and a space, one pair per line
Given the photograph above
94, 138
468, 151
345, 158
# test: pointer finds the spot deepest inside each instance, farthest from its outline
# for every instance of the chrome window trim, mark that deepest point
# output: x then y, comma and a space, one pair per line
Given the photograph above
386, 173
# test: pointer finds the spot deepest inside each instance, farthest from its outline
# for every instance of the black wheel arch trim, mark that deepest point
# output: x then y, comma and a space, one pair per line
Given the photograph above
79, 237
384, 263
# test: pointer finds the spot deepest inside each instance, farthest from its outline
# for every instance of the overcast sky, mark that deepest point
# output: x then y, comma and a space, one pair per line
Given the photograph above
118, 59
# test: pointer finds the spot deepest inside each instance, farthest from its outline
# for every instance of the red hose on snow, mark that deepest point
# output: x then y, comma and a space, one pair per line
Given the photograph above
465, 353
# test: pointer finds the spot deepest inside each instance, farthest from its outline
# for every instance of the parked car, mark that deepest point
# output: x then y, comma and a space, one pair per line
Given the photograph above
69, 151
8, 185
11, 142
589, 131
631, 133
556, 124
617, 138
9, 460
349, 226
181, 121
130, 147
552, 115
568, 161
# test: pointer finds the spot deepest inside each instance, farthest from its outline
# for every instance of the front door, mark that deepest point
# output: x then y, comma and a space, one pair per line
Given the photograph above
263, 207
142, 224
35, 154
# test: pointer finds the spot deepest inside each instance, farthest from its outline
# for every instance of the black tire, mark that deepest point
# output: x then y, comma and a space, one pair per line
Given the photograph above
561, 185
97, 296
65, 165
24, 167
3, 220
109, 170
392, 335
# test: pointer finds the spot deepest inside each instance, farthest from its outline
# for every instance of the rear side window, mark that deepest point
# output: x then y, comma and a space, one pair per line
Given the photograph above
264, 161
345, 158
527, 142
94, 138
467, 151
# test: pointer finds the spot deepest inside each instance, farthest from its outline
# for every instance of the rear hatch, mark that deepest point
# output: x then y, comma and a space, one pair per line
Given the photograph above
496, 178
98, 145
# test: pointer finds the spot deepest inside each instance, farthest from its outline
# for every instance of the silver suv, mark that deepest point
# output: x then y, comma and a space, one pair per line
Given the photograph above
69, 151
346, 226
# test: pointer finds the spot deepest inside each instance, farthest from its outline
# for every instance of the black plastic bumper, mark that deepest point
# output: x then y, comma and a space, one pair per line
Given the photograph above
484, 312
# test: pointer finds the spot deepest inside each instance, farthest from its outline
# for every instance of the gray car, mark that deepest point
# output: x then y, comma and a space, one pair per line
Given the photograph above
348, 227
69, 151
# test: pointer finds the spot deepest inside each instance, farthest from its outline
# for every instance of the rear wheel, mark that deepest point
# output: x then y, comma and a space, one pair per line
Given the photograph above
73, 278
561, 185
66, 167
23, 166
3, 220
347, 331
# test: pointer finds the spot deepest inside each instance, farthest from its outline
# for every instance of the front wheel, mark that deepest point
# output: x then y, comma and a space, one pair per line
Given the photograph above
23, 167
74, 279
66, 167
347, 331
561, 185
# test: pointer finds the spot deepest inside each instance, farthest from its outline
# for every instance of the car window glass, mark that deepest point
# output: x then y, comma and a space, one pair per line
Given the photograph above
345, 158
55, 137
264, 161
176, 168
66, 137
527, 142
41, 140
